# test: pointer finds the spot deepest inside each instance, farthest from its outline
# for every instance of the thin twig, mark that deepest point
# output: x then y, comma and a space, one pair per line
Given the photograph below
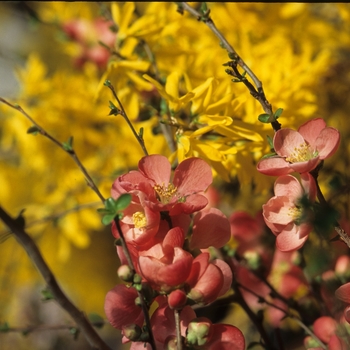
257, 92
178, 329
122, 112
140, 294
70, 151
17, 227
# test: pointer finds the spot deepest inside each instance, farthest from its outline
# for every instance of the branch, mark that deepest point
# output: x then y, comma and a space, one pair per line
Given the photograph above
68, 150
257, 92
17, 227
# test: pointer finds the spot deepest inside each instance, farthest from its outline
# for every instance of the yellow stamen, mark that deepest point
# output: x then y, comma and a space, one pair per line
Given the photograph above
302, 153
165, 193
139, 219
295, 213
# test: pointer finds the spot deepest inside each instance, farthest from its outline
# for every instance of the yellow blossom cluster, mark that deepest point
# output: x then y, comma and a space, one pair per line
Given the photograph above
167, 70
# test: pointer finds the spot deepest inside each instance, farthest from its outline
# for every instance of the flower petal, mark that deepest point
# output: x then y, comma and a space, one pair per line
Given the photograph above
327, 142
311, 129
286, 140
304, 167
343, 293
274, 166
288, 186
157, 168
288, 240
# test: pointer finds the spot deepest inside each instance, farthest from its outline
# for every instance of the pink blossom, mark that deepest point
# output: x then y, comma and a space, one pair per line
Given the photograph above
120, 307
226, 337
283, 213
301, 150
343, 293
166, 266
182, 195
210, 228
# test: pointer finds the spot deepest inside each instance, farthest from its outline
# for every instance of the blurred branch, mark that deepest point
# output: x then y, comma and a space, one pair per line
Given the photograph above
17, 227
67, 148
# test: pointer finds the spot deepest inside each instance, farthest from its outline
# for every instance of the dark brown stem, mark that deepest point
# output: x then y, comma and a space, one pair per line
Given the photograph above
71, 152
140, 294
17, 228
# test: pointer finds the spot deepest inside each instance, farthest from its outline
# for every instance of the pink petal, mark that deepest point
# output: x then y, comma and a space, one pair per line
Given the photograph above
286, 140
327, 142
304, 167
288, 240
191, 176
309, 185
175, 237
311, 129
192, 204
227, 273
343, 293
288, 186
277, 210
226, 337
157, 168
274, 166
211, 228
120, 307
199, 265
324, 328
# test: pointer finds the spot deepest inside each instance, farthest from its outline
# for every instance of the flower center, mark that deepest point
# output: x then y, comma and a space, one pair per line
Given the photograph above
302, 153
165, 193
139, 219
296, 213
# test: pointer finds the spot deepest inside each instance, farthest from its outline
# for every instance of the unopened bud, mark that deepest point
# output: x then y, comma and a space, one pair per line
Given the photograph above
132, 331
170, 343
199, 331
177, 299
125, 273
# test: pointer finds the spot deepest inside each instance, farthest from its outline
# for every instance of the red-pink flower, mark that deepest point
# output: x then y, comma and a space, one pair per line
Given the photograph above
301, 150
166, 265
181, 195
284, 214
343, 293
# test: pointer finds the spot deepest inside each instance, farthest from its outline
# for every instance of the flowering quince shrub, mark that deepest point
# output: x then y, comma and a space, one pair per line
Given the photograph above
186, 256
167, 230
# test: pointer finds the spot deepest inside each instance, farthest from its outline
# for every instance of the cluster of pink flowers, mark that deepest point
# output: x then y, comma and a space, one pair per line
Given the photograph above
297, 151
168, 231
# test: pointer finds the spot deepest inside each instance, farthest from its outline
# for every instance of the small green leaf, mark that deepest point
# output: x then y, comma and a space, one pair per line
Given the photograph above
278, 112
33, 130
204, 7
107, 83
107, 219
114, 109
264, 118
96, 320
110, 204
269, 155
4, 327
141, 133
270, 141
122, 202
103, 211
68, 146
47, 295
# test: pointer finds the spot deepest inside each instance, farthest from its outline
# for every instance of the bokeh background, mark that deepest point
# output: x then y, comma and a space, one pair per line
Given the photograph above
299, 51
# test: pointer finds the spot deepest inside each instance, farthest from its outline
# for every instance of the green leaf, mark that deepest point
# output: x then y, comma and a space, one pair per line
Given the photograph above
96, 320
269, 155
110, 205
47, 295
123, 201
103, 211
141, 133
114, 109
107, 219
270, 141
264, 118
204, 7
33, 130
68, 146
278, 112
4, 327
107, 83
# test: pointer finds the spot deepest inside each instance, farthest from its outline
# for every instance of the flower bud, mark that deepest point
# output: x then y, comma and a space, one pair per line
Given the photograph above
199, 331
177, 299
125, 273
132, 332
170, 343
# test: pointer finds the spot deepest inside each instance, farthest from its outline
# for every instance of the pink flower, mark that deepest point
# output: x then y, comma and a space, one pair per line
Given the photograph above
301, 150
284, 214
120, 307
182, 195
166, 265
343, 293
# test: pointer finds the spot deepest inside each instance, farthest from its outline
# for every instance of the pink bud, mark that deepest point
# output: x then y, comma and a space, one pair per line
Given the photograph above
125, 273
177, 299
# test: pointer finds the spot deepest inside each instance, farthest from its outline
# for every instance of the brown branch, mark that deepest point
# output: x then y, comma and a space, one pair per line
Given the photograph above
17, 227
